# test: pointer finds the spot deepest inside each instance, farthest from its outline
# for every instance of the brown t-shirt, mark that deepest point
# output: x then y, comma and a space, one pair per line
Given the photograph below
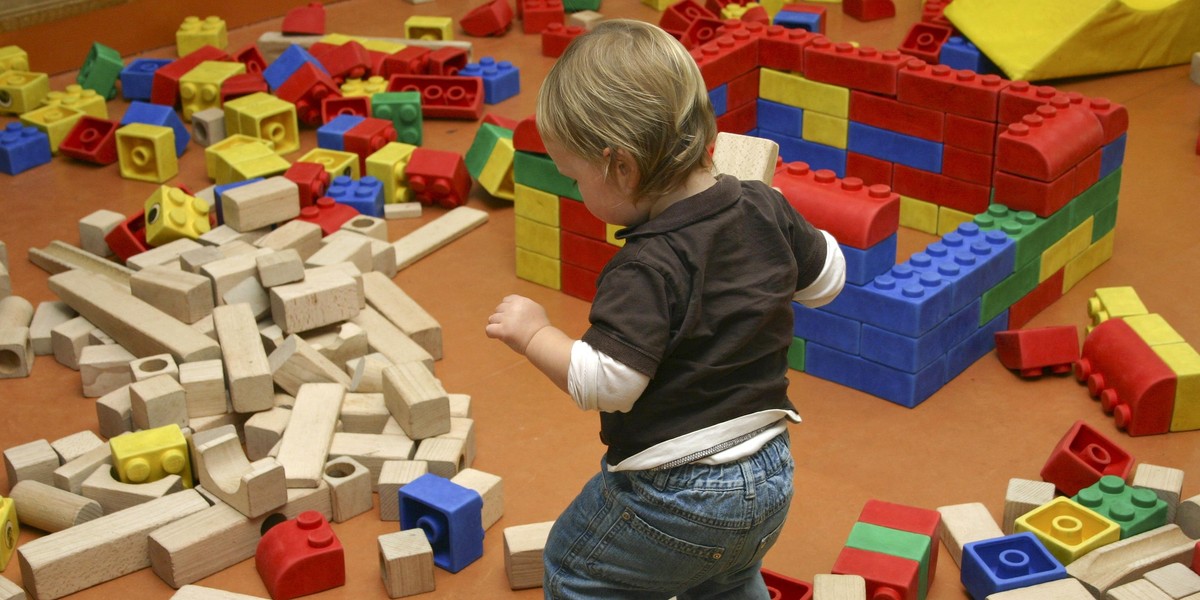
699, 300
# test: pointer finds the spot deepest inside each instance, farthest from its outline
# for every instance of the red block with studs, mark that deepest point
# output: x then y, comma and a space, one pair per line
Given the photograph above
756, 14
783, 49
887, 113
1021, 98
1082, 457
164, 88
1047, 143
584, 252
367, 138
727, 57
446, 61
537, 14
973, 167
959, 92
925, 40
329, 214
1133, 383
556, 36
970, 134
300, 557
941, 190
869, 10
869, 169
843, 65
888, 577
438, 177
1032, 352
1042, 198
526, 137
334, 106
782, 587
311, 178
443, 97
305, 20
307, 88
242, 84
128, 238
679, 16
854, 213
934, 12
700, 32
493, 18
252, 57
93, 140
343, 61
921, 521
412, 60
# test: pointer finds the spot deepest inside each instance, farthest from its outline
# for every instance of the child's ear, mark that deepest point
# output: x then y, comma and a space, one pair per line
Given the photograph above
628, 175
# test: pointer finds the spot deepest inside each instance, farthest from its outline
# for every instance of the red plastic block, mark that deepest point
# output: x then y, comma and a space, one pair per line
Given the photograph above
934, 12
128, 238
869, 10
701, 32
537, 14
412, 60
1114, 119
252, 57
585, 252
855, 214
966, 165
782, 587
715, 6
906, 518
438, 177
307, 88
970, 134
739, 120
960, 92
756, 14
1046, 293
742, 90
1082, 457
443, 97
367, 138
344, 61
887, 113
493, 18
1131, 380
1087, 172
242, 84
556, 36
335, 106
578, 282
924, 41
93, 140
311, 178
862, 68
810, 9
945, 191
1039, 197
164, 88
1046, 144
783, 49
727, 57
447, 61
305, 20
327, 213
1031, 351
500, 121
574, 217
679, 16
869, 169
526, 137
888, 577
1021, 98
300, 557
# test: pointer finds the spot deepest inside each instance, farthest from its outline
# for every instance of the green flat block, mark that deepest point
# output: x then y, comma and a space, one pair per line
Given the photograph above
1013, 288
578, 5
403, 109
1135, 509
1031, 233
1094, 199
903, 544
795, 356
481, 149
539, 172
100, 70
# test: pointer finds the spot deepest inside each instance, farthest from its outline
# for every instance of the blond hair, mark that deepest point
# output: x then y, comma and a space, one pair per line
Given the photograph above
630, 85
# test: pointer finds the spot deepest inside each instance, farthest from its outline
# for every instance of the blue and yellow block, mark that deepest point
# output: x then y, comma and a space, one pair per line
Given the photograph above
23, 148
147, 152
387, 165
172, 214
151, 454
101, 70
200, 88
501, 80
162, 116
10, 532
403, 109
195, 32
490, 160
364, 195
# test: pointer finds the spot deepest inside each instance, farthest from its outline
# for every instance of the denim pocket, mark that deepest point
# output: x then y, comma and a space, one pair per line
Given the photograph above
641, 555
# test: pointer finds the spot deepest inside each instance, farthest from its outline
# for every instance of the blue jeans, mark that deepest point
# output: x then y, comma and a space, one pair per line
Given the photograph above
695, 531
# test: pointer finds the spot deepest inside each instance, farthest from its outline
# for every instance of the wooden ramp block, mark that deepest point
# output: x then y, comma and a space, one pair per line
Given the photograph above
1166, 482
70, 475
745, 157
10, 590
304, 448
197, 592
67, 341
963, 524
1022, 496
47, 316
437, 233
50, 509
114, 413
339, 343
295, 363
1124, 561
115, 495
263, 431
406, 563
398, 307
247, 369
839, 587
253, 488
366, 373
523, 546
75, 445
157, 402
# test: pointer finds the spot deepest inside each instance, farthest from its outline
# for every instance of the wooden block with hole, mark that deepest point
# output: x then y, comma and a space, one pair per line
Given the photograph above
963, 524
153, 366
203, 385
394, 475
94, 227
416, 399
523, 547
68, 339
115, 495
47, 316
278, 268
387, 339
50, 509
247, 369
253, 488
372, 227
371, 450
295, 363
1166, 482
315, 302
103, 369
489, 487
1123, 561
406, 563
304, 447
745, 157
350, 487
1022, 496
261, 204
158, 401
186, 296
75, 445
402, 311
31, 461
302, 236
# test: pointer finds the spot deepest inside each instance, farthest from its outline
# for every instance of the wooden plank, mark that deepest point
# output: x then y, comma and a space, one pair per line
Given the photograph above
251, 387
295, 363
304, 447
398, 307
198, 592
60, 257
166, 255
437, 233
387, 339
1121, 562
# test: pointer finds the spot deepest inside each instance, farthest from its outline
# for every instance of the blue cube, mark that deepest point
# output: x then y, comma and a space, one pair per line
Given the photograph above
796, 19
501, 80
163, 116
332, 135
137, 77
364, 195
1006, 563
864, 265
23, 148
449, 514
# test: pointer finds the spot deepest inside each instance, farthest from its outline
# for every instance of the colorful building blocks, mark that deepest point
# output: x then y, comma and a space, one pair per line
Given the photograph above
403, 109
12, 530
444, 97
1130, 379
13, 58
22, 148
92, 140
958, 92
265, 117
363, 87
492, 18
333, 107
925, 41
245, 84
327, 213
161, 116
449, 514
251, 56
887, 576
201, 87
1047, 143
536, 15
1068, 529
411, 60
438, 177
1010, 562
335, 162
1082, 457
902, 544
855, 214
343, 61
312, 180
100, 71
151, 454
55, 121
959, 53
1031, 352
782, 587
128, 238
305, 20
869, 10
172, 213
555, 38
857, 68
363, 195
422, 27
147, 152
164, 89
195, 32
75, 96
367, 137
332, 135
1134, 509
300, 557
288, 63
23, 91
387, 165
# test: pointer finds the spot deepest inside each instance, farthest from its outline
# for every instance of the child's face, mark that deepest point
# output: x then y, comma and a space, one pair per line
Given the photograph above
607, 198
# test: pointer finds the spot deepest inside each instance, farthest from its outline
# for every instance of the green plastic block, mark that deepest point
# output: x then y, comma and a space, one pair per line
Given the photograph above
903, 544
539, 172
1007, 292
1106, 221
1094, 199
795, 355
578, 5
403, 109
1135, 509
1031, 233
100, 70
481, 149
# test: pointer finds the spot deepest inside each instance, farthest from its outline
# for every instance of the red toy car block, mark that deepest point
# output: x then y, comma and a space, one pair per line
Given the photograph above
343, 61
526, 137
574, 217
307, 88
164, 88
327, 213
556, 36
242, 84
739, 120
129, 238
924, 41
1131, 380
1032, 304
447, 61
93, 140
869, 10
743, 90
954, 193
701, 32
887, 113
305, 20
335, 106
443, 97
843, 65
578, 282
1039, 197
438, 177
493, 18
959, 92
367, 138
727, 57
783, 49
967, 166
1049, 142
869, 169
1030, 352
679, 16
252, 57
584, 252
1114, 118
782, 587
1082, 457
311, 178
921, 521
970, 134
888, 577
500, 121
934, 12
300, 557
537, 14
855, 214
412, 60
1021, 98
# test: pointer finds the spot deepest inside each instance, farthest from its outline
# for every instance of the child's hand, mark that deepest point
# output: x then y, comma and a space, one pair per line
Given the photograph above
516, 320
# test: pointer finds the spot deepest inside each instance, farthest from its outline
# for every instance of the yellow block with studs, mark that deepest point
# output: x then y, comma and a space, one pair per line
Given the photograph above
372, 44
172, 214
1154, 329
79, 98
262, 115
387, 165
364, 87
1113, 303
213, 153
195, 32
200, 88
229, 159
56, 121
151, 454
336, 162
22, 91
11, 530
147, 152
13, 58
422, 27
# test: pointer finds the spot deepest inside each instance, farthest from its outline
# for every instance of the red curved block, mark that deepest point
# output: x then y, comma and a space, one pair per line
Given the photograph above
242, 84
526, 137
1082, 457
959, 92
438, 177
1114, 119
412, 60
855, 214
783, 48
493, 18
164, 88
305, 20
311, 178
307, 88
888, 577
679, 16
252, 57
556, 36
1049, 142
93, 140
335, 106
443, 97
367, 138
863, 68
327, 213
1031, 351
925, 40
1131, 380
782, 587
343, 61
300, 557
869, 10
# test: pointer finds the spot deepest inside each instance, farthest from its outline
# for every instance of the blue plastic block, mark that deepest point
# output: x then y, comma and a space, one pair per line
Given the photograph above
163, 116
332, 135
138, 76
893, 385
1007, 563
895, 147
913, 354
959, 53
501, 80
972, 260
975, 347
219, 190
818, 156
864, 265
780, 118
1112, 156
288, 62
364, 195
903, 300
450, 515
23, 148
719, 96
826, 328
795, 19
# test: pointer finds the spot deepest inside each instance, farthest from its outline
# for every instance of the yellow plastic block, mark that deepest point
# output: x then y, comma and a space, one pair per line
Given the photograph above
22, 91
147, 152
56, 121
1059, 253
387, 165
359, 87
537, 237
735, 11
610, 234
919, 215
497, 174
1183, 359
1049, 39
949, 219
1068, 529
13, 58
151, 454
200, 88
336, 162
659, 5
794, 90
172, 214
1114, 302
264, 116
195, 32
421, 27
773, 7
212, 154
11, 531
535, 204
79, 98
372, 44
1096, 254
1154, 329
539, 269
824, 129
268, 165
228, 160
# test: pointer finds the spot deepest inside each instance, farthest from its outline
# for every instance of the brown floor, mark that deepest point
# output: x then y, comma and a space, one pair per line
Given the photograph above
962, 445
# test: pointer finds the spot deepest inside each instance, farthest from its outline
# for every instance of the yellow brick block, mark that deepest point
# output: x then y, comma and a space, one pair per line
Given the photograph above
1070, 246
13, 58
368, 87
151, 454
79, 98
372, 44
794, 90
919, 215
147, 152
422, 27
610, 234
200, 88
1183, 359
824, 129
195, 32
949, 219
659, 5
539, 269
537, 237
535, 204
336, 162
1114, 302
212, 154
228, 159
22, 91
1154, 329
56, 121
172, 214
262, 115
11, 531
773, 7
268, 165
735, 11
497, 174
1068, 529
387, 165
1096, 254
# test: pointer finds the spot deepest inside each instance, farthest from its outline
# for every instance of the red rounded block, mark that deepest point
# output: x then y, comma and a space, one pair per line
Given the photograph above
493, 18
300, 557
307, 88
855, 214
329, 214
1131, 380
311, 178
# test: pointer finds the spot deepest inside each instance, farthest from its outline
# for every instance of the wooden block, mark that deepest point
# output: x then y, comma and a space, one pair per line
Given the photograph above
371, 450
437, 233
192, 260
260, 204
70, 475
103, 369
31, 461
463, 429
100, 550
5, 282
296, 363
393, 428
1137, 590
99, 338
208, 126
153, 366
364, 413
587, 19
402, 210
402, 311
489, 487
393, 475
383, 254
50, 509
115, 495
839, 587
366, 373
246, 366
203, 385
224, 235
314, 302
114, 413
416, 399
10, 590
278, 268
1187, 516
460, 406
745, 157
197, 592
406, 563
68, 340
1166, 482
166, 255
1061, 589
211, 422
1022, 496
355, 250
350, 487
1176, 580
60, 257
16, 348
302, 236
47, 316
139, 327
75, 445
264, 429
372, 227
228, 272
186, 296
444, 455
339, 343
1121, 562
156, 402
253, 488
963, 524
523, 546
346, 269
251, 293
387, 339
304, 447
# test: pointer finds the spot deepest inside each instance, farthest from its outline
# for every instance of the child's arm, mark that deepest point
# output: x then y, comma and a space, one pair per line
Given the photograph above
522, 324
